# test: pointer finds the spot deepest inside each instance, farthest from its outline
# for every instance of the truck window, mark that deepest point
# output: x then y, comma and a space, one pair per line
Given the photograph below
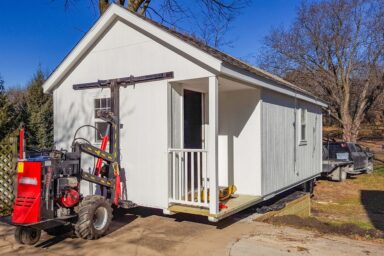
352, 147
358, 148
337, 149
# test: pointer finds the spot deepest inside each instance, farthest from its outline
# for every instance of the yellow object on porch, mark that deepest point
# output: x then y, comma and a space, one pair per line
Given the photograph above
224, 193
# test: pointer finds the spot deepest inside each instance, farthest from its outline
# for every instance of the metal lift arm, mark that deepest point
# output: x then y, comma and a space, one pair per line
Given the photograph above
124, 81
114, 85
96, 152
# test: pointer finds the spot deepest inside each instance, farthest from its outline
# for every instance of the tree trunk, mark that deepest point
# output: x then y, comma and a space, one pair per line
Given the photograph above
350, 134
351, 129
347, 132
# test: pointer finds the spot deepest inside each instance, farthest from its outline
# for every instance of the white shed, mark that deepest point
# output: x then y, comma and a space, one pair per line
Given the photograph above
217, 122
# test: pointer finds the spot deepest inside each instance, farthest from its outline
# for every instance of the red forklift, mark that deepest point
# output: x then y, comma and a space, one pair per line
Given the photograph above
48, 186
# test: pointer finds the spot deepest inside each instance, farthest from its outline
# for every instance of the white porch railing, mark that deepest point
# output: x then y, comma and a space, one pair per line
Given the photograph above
190, 182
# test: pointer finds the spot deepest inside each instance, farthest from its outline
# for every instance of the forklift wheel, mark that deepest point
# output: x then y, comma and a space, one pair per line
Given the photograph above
95, 215
29, 236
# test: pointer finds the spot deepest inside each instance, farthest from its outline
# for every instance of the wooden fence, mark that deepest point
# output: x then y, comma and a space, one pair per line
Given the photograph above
8, 162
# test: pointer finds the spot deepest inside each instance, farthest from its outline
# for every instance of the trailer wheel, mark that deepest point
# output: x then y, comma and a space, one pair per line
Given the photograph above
29, 236
95, 215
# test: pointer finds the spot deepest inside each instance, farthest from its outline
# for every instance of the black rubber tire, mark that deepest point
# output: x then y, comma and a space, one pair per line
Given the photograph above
25, 235
60, 230
18, 235
87, 212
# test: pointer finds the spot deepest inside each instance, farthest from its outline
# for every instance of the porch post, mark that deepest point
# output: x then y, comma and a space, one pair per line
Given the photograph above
213, 94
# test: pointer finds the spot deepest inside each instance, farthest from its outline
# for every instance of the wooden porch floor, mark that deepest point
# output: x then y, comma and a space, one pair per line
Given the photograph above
234, 204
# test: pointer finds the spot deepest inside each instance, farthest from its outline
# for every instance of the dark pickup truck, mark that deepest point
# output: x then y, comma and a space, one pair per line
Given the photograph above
342, 158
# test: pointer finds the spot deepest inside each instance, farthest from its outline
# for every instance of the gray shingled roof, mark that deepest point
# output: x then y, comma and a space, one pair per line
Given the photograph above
225, 58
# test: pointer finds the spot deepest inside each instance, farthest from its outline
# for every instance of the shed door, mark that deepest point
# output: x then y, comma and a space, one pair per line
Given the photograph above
193, 119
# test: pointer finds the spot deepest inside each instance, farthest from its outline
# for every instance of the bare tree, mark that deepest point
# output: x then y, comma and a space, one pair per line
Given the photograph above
139, 6
335, 49
211, 18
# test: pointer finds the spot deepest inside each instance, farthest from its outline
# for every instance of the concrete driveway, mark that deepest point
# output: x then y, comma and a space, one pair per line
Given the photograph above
148, 232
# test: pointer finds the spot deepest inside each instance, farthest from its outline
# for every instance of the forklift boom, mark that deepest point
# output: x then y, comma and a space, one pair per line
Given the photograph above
114, 85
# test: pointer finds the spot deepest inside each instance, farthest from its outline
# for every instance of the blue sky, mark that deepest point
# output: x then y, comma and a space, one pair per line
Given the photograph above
42, 32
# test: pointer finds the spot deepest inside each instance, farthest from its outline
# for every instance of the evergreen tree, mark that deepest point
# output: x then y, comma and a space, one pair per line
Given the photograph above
6, 113
39, 125
17, 98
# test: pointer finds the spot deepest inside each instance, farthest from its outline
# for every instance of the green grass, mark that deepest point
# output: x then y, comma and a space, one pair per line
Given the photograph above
379, 171
361, 224
340, 203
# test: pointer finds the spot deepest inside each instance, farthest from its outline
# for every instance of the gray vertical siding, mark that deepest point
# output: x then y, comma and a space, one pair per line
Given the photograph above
279, 143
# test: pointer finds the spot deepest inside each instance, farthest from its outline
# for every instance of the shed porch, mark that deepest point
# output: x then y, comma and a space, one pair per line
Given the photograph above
213, 131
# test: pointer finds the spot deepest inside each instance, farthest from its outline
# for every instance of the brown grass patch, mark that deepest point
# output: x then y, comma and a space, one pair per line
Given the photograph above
312, 223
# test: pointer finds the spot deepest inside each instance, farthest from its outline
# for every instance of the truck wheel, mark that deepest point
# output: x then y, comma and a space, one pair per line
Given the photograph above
95, 215
29, 236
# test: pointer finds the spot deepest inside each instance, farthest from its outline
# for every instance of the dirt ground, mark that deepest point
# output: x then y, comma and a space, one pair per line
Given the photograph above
358, 201
148, 232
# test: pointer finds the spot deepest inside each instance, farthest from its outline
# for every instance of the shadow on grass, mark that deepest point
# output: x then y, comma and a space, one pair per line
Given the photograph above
373, 202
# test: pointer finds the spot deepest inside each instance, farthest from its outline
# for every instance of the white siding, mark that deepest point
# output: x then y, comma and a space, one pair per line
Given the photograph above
239, 140
144, 143
279, 142
122, 52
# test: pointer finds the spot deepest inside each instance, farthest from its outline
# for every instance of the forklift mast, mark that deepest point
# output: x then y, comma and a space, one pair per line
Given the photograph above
114, 86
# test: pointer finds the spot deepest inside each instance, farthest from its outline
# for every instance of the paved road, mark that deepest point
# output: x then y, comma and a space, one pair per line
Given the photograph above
149, 233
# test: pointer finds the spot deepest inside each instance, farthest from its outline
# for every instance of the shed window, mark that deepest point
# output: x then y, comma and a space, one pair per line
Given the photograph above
101, 104
102, 128
303, 125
